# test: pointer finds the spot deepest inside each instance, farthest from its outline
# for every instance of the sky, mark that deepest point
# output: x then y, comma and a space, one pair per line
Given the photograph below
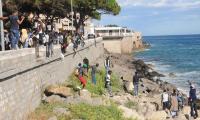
157, 17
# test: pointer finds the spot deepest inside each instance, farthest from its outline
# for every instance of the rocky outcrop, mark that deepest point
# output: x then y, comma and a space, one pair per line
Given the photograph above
145, 70
58, 90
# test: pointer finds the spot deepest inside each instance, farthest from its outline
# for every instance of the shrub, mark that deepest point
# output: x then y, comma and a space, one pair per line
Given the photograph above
131, 104
99, 88
88, 112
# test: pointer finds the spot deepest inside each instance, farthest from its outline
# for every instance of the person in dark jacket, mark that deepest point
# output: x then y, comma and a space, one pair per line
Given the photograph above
136, 83
192, 100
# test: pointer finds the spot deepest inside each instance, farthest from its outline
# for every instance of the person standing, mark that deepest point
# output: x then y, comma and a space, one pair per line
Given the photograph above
14, 28
80, 75
165, 100
93, 73
192, 100
136, 83
107, 64
108, 83
174, 104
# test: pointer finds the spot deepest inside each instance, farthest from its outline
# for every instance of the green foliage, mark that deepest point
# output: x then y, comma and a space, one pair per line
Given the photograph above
131, 105
78, 111
88, 112
99, 88
45, 111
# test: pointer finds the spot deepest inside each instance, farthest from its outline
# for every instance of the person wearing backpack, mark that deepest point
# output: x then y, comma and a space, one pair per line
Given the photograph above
136, 83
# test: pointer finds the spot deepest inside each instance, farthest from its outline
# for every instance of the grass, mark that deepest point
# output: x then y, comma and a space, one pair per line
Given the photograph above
45, 111
131, 104
78, 111
88, 112
99, 88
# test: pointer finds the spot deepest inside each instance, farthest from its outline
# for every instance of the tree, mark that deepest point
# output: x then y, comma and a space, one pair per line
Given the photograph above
93, 9
61, 8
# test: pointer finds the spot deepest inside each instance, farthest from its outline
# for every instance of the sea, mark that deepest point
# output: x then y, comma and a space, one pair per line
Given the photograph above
175, 56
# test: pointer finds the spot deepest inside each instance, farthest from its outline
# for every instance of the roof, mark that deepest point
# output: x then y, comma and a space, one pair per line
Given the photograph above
108, 28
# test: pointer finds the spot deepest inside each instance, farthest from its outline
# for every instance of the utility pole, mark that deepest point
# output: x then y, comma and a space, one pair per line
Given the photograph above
72, 16
2, 29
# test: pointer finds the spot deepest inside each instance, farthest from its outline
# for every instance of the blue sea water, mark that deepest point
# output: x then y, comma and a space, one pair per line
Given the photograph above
178, 54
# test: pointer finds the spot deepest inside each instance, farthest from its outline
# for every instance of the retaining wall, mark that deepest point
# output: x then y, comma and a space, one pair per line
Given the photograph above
23, 77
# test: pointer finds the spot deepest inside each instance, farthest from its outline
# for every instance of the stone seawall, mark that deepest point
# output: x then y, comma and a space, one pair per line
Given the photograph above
123, 44
23, 77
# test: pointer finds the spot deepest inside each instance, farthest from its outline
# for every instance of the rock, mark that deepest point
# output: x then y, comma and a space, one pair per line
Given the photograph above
130, 87
98, 101
157, 115
130, 113
146, 108
53, 118
54, 99
61, 111
172, 75
186, 110
85, 93
58, 90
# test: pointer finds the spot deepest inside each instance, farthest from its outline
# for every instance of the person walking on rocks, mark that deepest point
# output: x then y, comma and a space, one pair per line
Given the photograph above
193, 100
174, 104
108, 83
93, 73
165, 100
136, 79
80, 75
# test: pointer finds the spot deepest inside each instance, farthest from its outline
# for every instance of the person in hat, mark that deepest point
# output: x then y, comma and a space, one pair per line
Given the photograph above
192, 100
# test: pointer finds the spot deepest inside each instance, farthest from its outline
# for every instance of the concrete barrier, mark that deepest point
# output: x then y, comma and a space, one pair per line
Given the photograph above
23, 77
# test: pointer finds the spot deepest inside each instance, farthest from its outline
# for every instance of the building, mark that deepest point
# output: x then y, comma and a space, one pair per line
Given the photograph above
119, 39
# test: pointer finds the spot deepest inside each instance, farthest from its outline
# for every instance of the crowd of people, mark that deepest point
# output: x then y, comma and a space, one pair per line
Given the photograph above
81, 72
25, 32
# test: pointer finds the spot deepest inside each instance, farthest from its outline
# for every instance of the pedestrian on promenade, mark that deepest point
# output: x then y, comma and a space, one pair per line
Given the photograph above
136, 79
14, 28
193, 100
108, 83
93, 73
174, 104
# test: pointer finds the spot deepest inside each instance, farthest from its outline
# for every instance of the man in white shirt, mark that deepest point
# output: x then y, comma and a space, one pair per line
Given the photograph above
165, 100
108, 83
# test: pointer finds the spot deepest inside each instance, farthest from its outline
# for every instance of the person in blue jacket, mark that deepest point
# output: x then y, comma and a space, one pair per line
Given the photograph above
192, 100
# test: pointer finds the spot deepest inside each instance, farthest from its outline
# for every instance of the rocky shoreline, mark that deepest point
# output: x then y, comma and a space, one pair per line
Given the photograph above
63, 101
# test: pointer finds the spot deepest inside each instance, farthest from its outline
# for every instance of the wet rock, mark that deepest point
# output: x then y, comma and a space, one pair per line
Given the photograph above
172, 75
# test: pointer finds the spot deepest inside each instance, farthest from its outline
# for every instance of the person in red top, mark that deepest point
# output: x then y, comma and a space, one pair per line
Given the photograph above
80, 75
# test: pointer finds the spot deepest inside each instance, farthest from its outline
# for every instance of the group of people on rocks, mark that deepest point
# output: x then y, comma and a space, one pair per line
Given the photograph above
174, 102
81, 72
26, 32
